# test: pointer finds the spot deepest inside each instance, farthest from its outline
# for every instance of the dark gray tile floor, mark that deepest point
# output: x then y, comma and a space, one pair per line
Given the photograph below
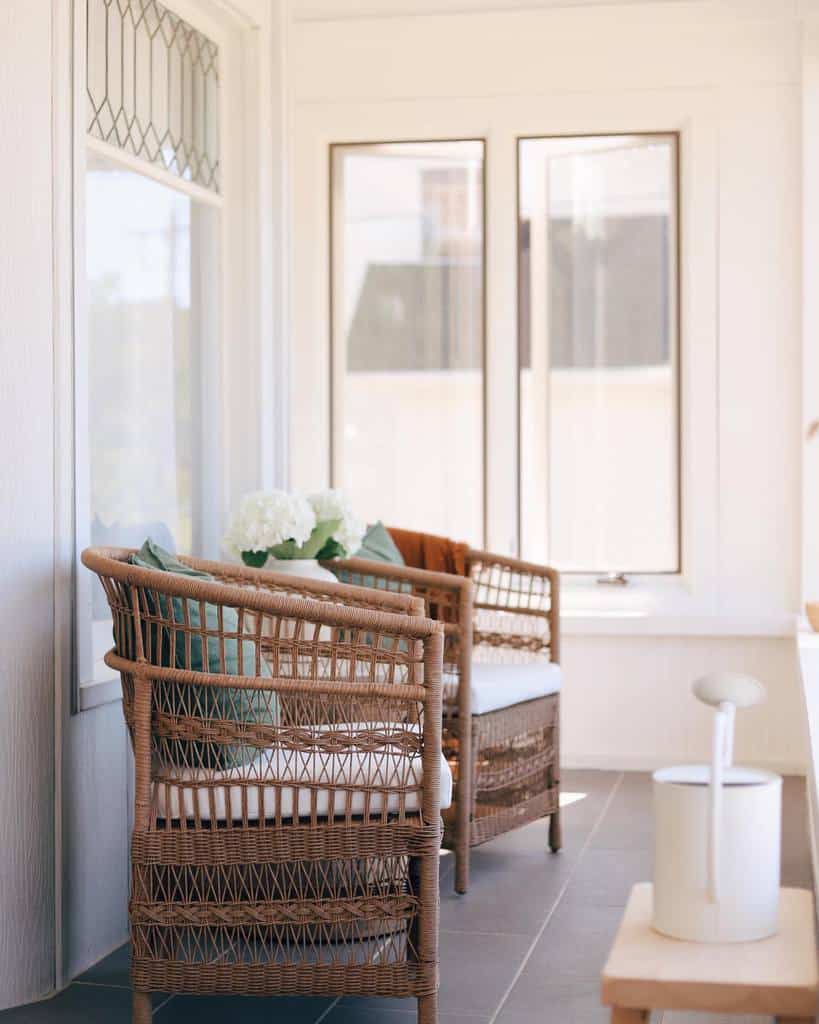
525, 946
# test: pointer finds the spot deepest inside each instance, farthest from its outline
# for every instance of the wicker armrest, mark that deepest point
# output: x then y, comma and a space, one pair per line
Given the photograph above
519, 593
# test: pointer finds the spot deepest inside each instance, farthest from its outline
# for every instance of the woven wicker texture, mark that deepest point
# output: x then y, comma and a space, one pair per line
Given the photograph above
287, 821
502, 611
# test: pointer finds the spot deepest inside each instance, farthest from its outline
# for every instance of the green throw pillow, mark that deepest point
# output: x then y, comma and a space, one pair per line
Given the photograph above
379, 546
209, 701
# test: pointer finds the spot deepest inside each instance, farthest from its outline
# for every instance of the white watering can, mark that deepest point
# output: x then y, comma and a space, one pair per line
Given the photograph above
716, 845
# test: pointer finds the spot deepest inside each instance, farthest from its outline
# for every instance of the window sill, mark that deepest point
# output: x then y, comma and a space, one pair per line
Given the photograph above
622, 622
662, 606
96, 692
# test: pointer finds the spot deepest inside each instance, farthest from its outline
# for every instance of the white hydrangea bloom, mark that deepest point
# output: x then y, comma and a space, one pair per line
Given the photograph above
266, 518
334, 504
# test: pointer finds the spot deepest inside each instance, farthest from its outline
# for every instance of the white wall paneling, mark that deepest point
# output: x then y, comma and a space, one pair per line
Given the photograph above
627, 701
809, 642
27, 897
727, 77
810, 308
96, 759
67, 791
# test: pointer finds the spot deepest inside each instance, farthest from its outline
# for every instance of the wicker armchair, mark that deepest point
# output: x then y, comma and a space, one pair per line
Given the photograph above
287, 744
505, 759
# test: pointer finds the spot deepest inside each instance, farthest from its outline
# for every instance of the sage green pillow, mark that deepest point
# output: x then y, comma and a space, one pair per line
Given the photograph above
211, 701
379, 546
152, 556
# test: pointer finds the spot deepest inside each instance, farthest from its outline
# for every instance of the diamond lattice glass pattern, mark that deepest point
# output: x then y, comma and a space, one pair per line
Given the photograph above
153, 87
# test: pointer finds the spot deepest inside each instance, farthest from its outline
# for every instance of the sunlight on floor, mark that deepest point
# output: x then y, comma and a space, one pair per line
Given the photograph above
565, 800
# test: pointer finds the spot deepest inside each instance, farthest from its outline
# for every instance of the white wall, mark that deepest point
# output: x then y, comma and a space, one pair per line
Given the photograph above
64, 794
27, 901
727, 76
66, 779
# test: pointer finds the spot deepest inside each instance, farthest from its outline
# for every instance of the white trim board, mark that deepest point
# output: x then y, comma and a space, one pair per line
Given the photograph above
808, 648
623, 623
638, 763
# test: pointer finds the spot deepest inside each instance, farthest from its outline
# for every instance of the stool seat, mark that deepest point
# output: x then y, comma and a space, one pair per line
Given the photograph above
772, 977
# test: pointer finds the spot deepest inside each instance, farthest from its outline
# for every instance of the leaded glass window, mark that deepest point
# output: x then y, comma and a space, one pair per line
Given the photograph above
153, 87
148, 315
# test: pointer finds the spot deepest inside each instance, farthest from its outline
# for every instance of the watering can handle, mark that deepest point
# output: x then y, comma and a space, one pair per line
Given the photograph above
725, 691
721, 756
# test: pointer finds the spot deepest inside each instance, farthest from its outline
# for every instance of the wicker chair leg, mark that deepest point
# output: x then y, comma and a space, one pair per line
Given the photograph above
462, 864
465, 802
141, 1007
555, 832
428, 1009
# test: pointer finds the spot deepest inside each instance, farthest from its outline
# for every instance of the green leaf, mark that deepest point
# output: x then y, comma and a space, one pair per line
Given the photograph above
255, 559
318, 538
332, 549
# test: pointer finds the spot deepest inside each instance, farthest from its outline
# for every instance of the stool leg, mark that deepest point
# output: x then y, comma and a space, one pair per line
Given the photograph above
620, 1015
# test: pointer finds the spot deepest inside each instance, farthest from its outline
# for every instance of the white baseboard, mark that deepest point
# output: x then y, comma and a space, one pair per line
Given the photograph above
647, 763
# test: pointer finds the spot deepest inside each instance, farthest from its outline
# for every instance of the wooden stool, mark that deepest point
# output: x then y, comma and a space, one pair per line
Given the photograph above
774, 977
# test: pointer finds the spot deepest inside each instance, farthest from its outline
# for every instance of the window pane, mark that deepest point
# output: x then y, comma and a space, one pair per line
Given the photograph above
408, 333
598, 352
147, 249
152, 87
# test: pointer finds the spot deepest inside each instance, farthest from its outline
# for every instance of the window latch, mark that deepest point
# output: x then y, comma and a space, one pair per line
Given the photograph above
613, 579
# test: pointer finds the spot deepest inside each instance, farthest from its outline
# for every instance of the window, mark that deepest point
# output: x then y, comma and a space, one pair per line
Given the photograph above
408, 328
598, 350
147, 370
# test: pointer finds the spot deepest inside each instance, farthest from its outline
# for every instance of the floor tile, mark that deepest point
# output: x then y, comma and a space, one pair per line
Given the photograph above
515, 879
355, 1012
78, 1004
604, 878
113, 970
567, 1006
560, 912
567, 959
507, 893
476, 970
628, 823
246, 1009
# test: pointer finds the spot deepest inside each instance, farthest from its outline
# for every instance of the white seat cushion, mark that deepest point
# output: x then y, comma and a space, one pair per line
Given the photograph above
499, 685
288, 783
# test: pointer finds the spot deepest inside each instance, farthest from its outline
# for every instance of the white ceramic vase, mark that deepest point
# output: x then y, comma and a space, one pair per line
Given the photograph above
306, 567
